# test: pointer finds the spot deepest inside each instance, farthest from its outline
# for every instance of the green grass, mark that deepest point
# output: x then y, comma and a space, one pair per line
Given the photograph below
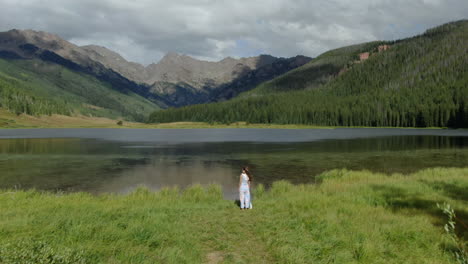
350, 217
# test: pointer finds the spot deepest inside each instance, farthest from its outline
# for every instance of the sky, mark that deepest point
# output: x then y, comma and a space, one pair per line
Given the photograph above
144, 30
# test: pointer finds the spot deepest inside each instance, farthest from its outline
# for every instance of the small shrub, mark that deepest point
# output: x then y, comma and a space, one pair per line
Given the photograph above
259, 191
195, 193
333, 174
120, 123
214, 192
461, 254
141, 192
169, 192
281, 187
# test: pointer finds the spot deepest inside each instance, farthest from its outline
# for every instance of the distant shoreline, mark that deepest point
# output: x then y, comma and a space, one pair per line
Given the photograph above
9, 120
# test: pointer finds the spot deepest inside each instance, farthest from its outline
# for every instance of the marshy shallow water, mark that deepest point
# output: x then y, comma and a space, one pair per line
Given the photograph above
119, 160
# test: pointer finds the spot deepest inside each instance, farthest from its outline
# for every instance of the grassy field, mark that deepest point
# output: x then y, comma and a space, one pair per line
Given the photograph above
11, 120
350, 217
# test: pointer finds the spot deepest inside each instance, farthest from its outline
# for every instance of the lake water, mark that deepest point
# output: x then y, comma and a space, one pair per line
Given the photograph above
119, 160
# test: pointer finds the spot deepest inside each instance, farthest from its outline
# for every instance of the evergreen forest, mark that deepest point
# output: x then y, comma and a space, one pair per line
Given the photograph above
415, 82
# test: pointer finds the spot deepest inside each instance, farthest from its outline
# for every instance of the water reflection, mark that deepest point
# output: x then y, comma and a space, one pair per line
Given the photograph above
97, 166
160, 173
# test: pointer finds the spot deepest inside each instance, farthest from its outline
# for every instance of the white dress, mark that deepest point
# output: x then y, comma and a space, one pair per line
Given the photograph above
244, 192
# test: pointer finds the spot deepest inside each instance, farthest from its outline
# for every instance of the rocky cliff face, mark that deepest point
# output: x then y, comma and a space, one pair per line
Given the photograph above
177, 68
186, 81
175, 80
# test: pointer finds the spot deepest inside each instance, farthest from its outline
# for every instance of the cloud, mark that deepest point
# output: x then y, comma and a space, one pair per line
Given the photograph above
144, 30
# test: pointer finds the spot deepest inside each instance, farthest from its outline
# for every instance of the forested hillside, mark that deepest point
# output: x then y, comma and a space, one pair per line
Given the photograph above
317, 72
420, 81
36, 87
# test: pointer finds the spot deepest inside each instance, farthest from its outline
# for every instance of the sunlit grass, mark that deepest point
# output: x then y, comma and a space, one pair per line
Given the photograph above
349, 217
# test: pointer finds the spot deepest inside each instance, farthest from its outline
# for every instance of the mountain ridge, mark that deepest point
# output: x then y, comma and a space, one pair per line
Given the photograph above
175, 80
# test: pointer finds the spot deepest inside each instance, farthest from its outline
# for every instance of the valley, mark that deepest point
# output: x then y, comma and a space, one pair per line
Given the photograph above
374, 84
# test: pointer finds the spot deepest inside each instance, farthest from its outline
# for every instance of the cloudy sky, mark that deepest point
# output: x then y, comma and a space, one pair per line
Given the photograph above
144, 30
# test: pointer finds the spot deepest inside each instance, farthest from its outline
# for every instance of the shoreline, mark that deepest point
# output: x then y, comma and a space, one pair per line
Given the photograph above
330, 175
10, 120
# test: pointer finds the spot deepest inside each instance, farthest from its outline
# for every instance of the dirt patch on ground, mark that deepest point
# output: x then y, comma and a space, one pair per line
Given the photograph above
214, 257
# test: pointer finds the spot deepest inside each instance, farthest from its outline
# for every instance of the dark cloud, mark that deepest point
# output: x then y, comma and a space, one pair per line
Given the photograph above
144, 30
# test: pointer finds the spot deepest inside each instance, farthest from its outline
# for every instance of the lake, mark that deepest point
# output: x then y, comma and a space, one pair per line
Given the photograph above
120, 160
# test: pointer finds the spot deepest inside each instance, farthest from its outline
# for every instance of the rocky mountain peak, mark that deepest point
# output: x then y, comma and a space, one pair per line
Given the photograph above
199, 77
171, 56
40, 39
113, 60
31, 44
176, 58
102, 51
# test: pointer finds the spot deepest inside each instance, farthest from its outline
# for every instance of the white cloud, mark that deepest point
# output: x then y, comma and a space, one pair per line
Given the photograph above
143, 30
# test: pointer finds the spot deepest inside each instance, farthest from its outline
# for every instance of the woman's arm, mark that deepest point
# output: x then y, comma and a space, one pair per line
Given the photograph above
240, 181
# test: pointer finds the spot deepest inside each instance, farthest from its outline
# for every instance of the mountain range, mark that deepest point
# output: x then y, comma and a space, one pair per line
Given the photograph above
176, 80
419, 81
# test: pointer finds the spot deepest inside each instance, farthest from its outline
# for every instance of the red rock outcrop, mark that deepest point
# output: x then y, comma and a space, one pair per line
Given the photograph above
364, 56
383, 48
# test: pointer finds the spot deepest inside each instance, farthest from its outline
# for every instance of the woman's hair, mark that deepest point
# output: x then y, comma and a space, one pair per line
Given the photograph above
246, 169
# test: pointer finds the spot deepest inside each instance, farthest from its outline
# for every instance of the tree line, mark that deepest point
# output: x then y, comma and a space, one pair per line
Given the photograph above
19, 101
418, 82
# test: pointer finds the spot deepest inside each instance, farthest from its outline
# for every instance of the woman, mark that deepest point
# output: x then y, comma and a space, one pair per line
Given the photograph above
244, 189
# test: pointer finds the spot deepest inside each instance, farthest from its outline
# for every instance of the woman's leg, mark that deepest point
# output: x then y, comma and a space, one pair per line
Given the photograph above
242, 198
247, 199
